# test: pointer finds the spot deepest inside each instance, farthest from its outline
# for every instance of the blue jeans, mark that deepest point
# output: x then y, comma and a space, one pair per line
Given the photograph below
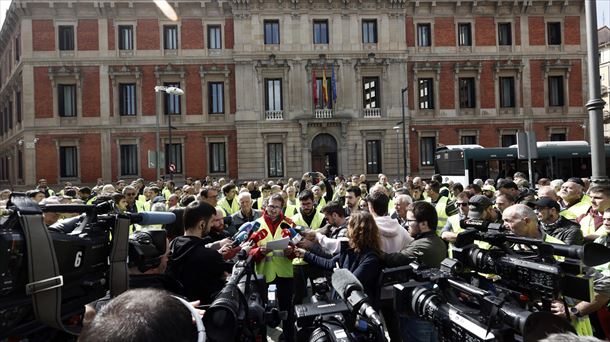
413, 329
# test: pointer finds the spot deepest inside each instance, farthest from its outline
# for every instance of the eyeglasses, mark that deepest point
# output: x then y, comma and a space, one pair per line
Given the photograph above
274, 207
130, 194
462, 204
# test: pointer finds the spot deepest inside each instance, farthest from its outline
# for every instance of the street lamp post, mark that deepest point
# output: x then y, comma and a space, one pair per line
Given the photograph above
397, 129
404, 133
171, 91
595, 104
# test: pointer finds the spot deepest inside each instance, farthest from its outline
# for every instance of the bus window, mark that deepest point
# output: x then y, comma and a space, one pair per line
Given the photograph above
481, 170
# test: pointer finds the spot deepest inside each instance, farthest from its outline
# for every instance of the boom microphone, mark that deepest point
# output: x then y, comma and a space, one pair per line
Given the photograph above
152, 217
350, 289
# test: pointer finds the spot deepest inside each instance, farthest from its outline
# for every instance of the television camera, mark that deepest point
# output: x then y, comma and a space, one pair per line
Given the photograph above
241, 311
48, 274
350, 318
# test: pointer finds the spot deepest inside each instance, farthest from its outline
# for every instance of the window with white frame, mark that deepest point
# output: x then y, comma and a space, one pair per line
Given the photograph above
424, 35
127, 99
373, 156
217, 158
214, 37
66, 100
66, 37
555, 90
170, 37
273, 94
505, 35
172, 102
369, 31
426, 93
275, 160
125, 37
68, 161
320, 31
272, 32
129, 159
216, 98
467, 92
464, 34
427, 147
370, 92
507, 92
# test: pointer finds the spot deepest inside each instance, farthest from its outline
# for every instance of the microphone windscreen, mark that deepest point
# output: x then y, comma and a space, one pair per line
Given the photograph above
245, 226
255, 226
342, 279
258, 236
154, 217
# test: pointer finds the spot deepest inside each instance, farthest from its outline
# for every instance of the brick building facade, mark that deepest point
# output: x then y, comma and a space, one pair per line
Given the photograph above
77, 80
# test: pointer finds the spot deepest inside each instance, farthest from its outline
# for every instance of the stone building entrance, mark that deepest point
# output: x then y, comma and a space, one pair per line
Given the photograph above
324, 154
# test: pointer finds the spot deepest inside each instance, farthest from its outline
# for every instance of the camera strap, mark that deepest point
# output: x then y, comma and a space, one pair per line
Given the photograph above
119, 276
45, 281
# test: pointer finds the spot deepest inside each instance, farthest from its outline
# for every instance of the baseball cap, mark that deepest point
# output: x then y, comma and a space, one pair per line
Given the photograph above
159, 199
545, 202
477, 205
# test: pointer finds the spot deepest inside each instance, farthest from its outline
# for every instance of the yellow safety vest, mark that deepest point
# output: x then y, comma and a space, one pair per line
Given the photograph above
455, 226
229, 209
391, 209
578, 209
321, 204
275, 264
290, 211
315, 224
587, 225
166, 193
440, 207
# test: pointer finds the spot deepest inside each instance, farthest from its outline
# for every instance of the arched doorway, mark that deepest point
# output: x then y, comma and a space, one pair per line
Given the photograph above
324, 154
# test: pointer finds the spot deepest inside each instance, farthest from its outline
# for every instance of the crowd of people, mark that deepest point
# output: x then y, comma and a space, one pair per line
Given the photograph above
345, 222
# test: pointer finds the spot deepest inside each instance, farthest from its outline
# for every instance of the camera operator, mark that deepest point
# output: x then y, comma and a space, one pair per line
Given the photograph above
556, 225
480, 207
276, 266
428, 249
522, 221
142, 315
326, 241
199, 269
451, 229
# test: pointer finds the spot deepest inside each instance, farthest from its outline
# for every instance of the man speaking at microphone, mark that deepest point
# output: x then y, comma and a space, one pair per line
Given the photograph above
275, 265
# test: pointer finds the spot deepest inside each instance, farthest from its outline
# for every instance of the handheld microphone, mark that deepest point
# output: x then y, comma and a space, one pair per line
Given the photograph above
350, 289
258, 236
152, 217
244, 232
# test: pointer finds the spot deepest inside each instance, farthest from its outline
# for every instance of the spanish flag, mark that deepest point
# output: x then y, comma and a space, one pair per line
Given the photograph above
324, 87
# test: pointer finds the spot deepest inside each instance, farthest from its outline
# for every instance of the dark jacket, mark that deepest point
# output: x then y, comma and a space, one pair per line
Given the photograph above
200, 270
427, 249
238, 219
366, 266
564, 230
